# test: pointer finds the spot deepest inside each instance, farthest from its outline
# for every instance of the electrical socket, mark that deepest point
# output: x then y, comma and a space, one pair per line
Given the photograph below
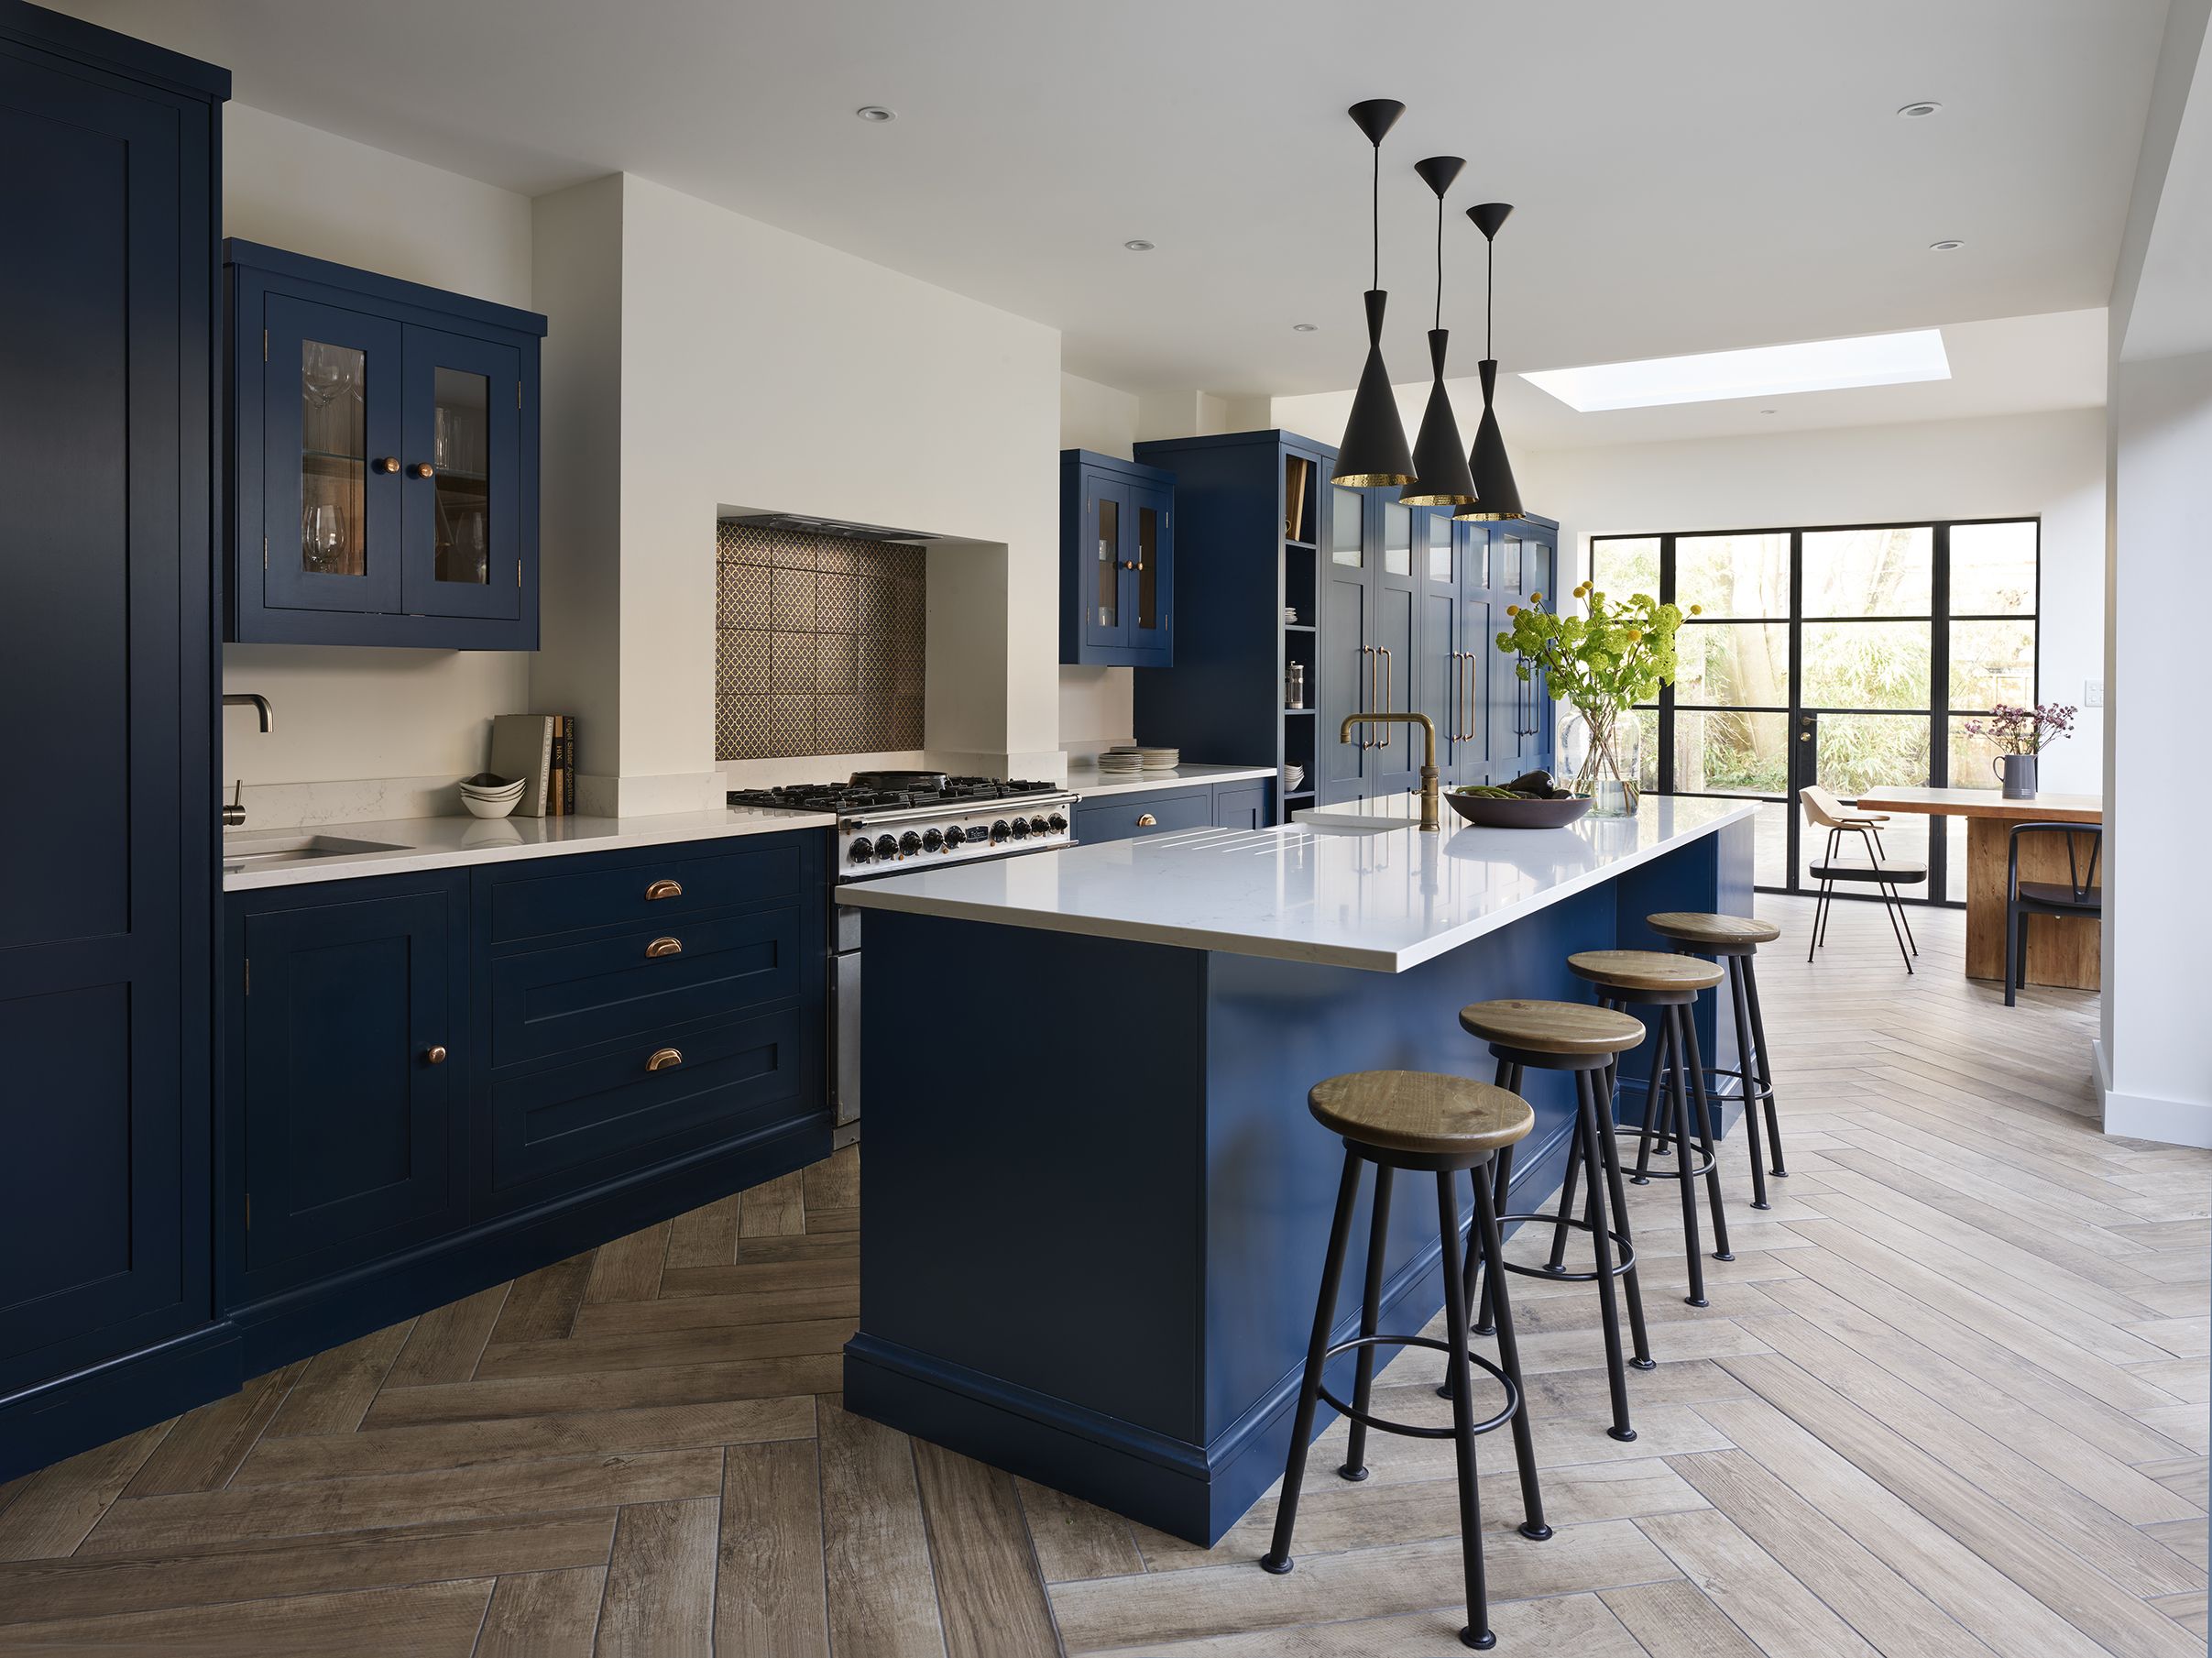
2093, 693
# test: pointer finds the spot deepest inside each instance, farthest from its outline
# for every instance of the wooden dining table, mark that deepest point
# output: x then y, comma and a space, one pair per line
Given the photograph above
2061, 950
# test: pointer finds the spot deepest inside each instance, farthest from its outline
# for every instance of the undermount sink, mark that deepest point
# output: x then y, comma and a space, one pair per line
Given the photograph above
295, 848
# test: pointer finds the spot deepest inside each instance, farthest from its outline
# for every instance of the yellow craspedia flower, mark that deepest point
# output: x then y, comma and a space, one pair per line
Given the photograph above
1635, 634
1513, 610
1536, 598
1697, 609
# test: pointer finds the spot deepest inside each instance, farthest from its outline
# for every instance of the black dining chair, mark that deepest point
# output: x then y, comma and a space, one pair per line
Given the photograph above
2079, 896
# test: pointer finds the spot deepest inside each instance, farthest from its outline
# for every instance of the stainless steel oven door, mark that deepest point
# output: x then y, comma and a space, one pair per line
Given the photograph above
844, 1034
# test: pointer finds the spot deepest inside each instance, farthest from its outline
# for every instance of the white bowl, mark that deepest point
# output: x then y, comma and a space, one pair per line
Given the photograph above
479, 806
511, 794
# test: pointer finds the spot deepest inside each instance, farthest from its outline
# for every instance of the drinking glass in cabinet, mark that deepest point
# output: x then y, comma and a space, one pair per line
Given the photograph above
334, 457
460, 445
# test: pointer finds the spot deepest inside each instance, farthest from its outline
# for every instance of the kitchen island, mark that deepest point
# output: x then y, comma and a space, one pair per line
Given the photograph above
1097, 1205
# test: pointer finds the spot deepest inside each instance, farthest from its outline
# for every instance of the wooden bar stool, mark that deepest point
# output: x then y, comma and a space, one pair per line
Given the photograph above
1439, 1125
1734, 940
1647, 978
1588, 1041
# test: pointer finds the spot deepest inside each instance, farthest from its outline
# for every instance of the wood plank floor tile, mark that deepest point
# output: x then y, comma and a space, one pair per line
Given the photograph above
618, 1351
91, 1585
629, 1270
989, 1596
338, 1387
1676, 1620
54, 1509
146, 1524
501, 1441
718, 1312
706, 1236
205, 1447
1753, 1589
882, 1597
429, 1621
659, 1593
607, 1390
776, 1209
1075, 1539
819, 1270
1582, 1625
446, 1341
541, 1305
769, 1585
543, 1614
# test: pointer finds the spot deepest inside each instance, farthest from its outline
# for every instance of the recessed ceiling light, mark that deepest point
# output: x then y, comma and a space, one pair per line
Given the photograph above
1767, 412
1914, 111
1875, 360
1304, 327
1138, 244
1948, 245
876, 112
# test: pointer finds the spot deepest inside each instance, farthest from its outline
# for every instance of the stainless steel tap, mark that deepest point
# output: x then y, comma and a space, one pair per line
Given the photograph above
1430, 803
234, 809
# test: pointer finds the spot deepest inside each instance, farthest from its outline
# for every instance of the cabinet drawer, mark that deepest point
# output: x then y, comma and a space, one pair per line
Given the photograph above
1121, 817
650, 888
1242, 806
575, 1125
577, 995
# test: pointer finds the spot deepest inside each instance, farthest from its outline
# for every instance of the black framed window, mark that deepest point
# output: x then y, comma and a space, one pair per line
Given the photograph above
1851, 656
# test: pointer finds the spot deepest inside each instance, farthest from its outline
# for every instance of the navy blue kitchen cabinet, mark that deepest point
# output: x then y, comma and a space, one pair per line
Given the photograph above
1240, 804
1523, 558
384, 459
107, 864
1370, 642
346, 1041
1117, 562
1243, 806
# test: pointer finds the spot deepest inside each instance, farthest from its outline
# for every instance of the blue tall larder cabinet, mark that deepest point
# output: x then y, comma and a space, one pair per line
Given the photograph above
108, 307
384, 459
1117, 562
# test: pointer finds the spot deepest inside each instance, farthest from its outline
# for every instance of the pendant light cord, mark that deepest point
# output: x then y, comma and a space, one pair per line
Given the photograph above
1374, 197
1440, 261
1489, 288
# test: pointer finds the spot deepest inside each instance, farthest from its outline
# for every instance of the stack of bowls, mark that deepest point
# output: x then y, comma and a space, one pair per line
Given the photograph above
488, 795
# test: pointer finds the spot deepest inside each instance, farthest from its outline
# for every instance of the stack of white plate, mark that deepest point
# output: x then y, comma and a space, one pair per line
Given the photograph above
1120, 763
486, 800
1148, 759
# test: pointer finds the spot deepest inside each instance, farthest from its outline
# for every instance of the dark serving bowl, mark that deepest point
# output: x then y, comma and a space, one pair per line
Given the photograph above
1489, 812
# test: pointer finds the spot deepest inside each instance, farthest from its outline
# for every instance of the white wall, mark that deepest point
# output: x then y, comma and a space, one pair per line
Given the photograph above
346, 712
2050, 465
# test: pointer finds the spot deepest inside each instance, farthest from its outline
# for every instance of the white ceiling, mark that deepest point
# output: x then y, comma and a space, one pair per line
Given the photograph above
1690, 176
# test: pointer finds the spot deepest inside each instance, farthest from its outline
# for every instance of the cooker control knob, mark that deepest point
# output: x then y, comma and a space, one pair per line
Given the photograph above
910, 843
954, 837
1059, 824
999, 831
933, 840
886, 847
1021, 828
863, 851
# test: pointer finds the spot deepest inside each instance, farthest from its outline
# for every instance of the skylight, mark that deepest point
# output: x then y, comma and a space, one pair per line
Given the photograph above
1873, 359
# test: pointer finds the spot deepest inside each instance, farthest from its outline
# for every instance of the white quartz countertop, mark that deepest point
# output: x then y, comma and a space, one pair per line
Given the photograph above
1085, 778
408, 845
1385, 899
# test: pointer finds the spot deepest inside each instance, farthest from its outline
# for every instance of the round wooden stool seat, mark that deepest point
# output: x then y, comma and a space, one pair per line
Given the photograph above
1554, 1028
1421, 1111
1726, 932
1647, 970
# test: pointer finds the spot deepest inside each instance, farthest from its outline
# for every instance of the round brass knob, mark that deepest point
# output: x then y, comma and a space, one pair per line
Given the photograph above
389, 463
423, 469
435, 1055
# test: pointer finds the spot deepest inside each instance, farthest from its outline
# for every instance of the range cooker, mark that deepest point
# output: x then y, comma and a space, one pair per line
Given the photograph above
892, 823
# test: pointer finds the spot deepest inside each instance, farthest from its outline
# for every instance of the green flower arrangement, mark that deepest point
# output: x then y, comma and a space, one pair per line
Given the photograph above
1602, 663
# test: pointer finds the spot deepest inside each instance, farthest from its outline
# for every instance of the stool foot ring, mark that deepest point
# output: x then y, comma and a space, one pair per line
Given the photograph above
1384, 1425
1625, 1264
1759, 1091
1662, 1141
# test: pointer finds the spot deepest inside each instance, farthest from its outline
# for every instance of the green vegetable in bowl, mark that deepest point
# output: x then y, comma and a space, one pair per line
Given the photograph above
1489, 792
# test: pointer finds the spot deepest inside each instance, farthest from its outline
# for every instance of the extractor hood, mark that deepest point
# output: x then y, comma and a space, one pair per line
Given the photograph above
799, 524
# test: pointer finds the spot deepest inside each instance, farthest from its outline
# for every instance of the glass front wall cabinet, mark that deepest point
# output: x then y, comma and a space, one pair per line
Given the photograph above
384, 450
1117, 562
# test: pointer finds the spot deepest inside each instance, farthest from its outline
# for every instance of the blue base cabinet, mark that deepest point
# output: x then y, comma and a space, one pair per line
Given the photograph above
107, 858
1244, 804
383, 459
1117, 562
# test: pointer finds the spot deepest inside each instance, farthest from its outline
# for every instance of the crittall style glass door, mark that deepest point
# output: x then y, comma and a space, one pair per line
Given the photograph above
1852, 657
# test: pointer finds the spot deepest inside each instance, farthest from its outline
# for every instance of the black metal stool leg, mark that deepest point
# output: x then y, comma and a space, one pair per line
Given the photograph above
1509, 1360
1739, 999
1277, 1558
1704, 1123
1566, 1208
1678, 1118
1654, 1099
1509, 1077
1609, 1318
1354, 1465
1616, 1195
1766, 1070
1477, 1634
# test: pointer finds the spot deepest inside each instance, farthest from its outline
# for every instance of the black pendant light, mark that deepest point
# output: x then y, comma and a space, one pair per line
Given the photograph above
1499, 496
1440, 465
1374, 448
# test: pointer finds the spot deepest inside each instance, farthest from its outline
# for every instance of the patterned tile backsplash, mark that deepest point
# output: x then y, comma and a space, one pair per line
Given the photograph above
818, 644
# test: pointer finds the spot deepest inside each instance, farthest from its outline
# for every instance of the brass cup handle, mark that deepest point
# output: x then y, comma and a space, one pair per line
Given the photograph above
389, 463
423, 469
663, 889
664, 947
665, 1058
434, 1055
1146, 820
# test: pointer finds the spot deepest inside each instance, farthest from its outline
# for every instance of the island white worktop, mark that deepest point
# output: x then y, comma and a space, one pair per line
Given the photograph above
1385, 899
407, 845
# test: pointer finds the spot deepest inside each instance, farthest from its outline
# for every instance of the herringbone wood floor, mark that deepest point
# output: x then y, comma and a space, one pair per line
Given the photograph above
1950, 1399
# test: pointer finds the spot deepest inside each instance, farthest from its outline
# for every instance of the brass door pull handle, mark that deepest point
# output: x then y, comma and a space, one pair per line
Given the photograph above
434, 1055
665, 1058
389, 463
423, 469
1146, 820
664, 889
664, 947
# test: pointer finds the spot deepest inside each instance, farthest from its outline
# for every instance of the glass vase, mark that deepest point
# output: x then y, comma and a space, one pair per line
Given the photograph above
1602, 750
